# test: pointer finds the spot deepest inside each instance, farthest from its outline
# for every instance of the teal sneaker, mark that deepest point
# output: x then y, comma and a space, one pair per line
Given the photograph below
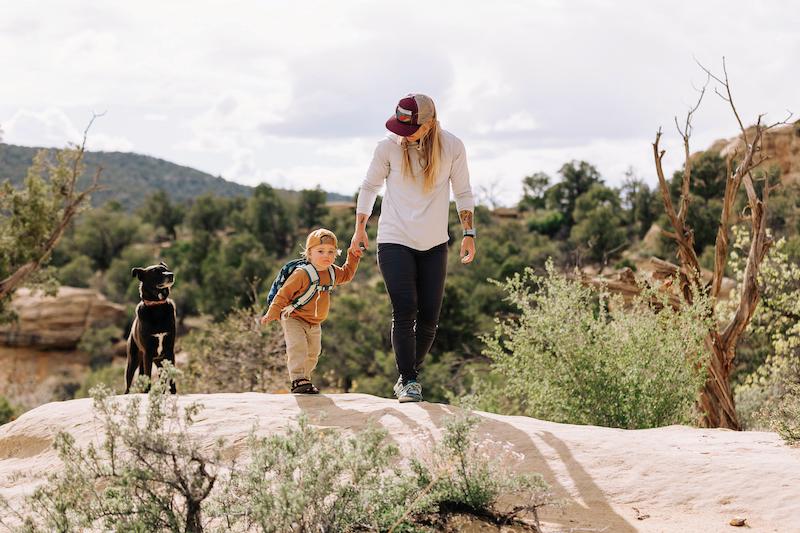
410, 392
398, 387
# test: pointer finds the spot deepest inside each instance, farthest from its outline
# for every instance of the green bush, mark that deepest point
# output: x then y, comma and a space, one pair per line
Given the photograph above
577, 355
150, 473
77, 273
785, 418
7, 412
111, 377
98, 343
236, 355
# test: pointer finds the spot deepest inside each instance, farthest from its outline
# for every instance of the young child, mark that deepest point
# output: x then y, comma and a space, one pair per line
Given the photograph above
301, 326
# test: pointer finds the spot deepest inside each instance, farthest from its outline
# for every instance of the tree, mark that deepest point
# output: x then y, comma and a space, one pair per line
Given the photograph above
207, 213
577, 177
534, 188
312, 207
716, 400
33, 219
103, 233
158, 209
269, 219
598, 224
640, 203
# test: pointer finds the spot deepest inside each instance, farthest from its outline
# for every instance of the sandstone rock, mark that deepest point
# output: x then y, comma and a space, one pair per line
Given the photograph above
58, 322
782, 144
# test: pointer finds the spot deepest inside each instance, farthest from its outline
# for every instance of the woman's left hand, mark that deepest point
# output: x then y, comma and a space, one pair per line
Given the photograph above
467, 250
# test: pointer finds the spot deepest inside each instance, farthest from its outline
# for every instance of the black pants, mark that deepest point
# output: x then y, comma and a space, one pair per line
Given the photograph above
415, 282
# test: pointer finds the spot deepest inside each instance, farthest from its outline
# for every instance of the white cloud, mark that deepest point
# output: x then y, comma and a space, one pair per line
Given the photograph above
300, 91
51, 127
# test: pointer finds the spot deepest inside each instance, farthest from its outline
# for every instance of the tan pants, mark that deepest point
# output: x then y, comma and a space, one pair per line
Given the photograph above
303, 346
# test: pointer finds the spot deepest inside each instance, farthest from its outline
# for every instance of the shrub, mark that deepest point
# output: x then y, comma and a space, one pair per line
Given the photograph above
467, 475
151, 474
785, 417
773, 334
98, 343
148, 474
578, 355
236, 355
111, 377
76, 273
7, 412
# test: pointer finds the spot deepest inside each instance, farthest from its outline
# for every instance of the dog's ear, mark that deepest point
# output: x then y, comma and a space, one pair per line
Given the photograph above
162, 263
136, 271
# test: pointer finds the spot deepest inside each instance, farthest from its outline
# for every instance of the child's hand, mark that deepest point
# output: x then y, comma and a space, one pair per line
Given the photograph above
358, 252
264, 320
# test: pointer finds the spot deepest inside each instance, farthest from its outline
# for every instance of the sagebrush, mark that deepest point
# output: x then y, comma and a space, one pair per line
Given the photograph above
575, 354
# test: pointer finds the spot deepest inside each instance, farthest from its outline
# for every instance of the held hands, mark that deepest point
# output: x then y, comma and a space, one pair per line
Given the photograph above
467, 253
359, 243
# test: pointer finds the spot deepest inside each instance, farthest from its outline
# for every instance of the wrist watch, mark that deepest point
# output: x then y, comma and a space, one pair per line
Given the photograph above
470, 233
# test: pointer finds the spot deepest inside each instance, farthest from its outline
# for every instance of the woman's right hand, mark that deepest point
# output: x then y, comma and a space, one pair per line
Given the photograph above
359, 238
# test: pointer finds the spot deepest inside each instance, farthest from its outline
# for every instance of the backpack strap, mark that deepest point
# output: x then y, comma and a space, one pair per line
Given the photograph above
303, 299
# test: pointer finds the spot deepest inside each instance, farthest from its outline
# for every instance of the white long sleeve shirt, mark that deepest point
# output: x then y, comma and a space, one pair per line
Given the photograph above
409, 215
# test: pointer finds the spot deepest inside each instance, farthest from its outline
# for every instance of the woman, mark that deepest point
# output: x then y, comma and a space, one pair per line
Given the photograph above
420, 163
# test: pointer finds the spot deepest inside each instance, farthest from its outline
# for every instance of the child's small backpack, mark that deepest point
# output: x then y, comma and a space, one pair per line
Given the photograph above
313, 288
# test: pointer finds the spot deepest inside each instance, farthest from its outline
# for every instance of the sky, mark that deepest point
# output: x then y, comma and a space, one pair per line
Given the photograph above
296, 94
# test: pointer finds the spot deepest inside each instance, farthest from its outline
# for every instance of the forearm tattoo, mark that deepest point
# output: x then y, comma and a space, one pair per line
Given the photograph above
466, 219
361, 220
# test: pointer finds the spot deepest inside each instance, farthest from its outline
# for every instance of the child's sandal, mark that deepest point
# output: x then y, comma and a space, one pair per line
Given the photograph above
303, 386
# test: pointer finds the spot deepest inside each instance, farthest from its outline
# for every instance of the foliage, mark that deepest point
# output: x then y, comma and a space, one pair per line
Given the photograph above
577, 177
312, 209
466, 474
236, 355
148, 474
785, 418
76, 273
98, 344
159, 211
112, 377
103, 233
598, 226
534, 188
577, 355
316, 480
546, 222
151, 473
32, 217
775, 324
641, 204
7, 411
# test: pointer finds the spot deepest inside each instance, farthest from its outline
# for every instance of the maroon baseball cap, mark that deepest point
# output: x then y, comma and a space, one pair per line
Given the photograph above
411, 112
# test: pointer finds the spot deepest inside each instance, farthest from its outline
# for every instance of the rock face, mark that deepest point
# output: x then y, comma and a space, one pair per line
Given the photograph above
670, 479
782, 144
58, 322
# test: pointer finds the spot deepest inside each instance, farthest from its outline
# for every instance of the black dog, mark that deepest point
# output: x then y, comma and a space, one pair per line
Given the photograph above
152, 337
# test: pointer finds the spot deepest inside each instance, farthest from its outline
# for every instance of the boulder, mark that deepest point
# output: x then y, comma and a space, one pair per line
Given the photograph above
58, 322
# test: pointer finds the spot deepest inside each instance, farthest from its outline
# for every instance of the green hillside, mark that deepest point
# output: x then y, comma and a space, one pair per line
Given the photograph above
129, 178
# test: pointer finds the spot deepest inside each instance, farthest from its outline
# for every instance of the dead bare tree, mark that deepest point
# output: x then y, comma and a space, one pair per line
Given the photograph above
716, 399
72, 199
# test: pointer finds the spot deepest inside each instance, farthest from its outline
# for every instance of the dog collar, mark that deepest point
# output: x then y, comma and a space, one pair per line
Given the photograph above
153, 302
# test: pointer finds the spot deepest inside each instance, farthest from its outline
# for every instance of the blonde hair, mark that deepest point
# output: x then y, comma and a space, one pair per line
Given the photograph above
430, 155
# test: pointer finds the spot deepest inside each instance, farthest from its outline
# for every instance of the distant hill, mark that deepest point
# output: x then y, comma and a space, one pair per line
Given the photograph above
129, 178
